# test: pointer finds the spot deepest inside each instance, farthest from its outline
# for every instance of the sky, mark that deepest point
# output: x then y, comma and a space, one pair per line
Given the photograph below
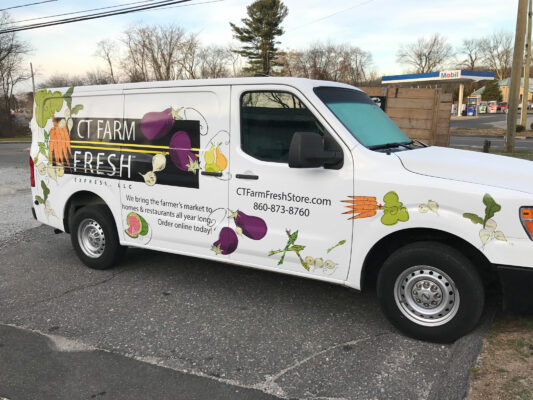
377, 26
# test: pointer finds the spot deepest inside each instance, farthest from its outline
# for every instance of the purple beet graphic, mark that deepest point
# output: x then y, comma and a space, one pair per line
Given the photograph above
155, 125
253, 227
180, 151
227, 242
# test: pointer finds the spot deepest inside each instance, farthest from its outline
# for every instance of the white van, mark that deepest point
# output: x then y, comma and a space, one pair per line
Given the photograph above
308, 178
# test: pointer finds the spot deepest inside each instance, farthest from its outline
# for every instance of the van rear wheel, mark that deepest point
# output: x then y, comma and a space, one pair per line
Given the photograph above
94, 237
430, 291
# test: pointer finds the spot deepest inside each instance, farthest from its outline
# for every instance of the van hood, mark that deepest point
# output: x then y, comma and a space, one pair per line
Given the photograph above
470, 166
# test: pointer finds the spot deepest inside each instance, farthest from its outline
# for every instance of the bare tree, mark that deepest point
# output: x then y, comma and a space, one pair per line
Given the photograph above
98, 77
426, 55
343, 63
12, 51
471, 50
63, 80
107, 50
497, 53
214, 61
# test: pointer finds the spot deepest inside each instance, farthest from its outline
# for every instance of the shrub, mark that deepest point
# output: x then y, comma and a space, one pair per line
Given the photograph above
520, 128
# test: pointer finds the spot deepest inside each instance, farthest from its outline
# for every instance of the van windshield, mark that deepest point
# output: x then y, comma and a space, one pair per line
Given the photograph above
362, 117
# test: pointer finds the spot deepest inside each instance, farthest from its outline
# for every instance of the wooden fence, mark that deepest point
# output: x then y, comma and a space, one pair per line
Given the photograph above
422, 113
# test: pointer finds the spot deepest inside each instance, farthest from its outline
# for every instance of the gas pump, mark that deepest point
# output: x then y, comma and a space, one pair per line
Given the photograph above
473, 105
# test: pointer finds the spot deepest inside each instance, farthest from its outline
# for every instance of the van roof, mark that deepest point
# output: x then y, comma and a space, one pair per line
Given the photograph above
302, 83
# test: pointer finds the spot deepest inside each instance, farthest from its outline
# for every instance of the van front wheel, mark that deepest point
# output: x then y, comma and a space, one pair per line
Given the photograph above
430, 291
94, 237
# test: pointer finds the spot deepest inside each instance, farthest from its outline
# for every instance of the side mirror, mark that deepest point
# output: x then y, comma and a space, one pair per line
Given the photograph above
307, 151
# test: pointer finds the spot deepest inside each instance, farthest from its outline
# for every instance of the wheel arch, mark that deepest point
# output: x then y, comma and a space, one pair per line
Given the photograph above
78, 200
376, 256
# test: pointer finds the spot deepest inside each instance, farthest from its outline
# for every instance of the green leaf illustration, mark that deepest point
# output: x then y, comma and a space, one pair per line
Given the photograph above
39, 199
42, 149
296, 247
491, 207
476, 219
46, 191
76, 109
68, 97
337, 245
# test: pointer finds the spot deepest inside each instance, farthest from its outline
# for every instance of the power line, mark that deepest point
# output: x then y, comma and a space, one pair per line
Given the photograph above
81, 12
27, 5
93, 16
333, 14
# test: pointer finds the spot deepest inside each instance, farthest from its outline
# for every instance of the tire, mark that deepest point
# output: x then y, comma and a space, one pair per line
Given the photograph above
94, 237
430, 291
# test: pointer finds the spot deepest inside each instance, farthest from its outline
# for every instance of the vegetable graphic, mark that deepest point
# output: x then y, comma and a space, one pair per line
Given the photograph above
155, 125
137, 225
337, 245
291, 246
393, 210
46, 192
149, 178
365, 207
47, 103
222, 161
227, 242
431, 205
59, 145
488, 232
159, 162
215, 163
253, 227
180, 152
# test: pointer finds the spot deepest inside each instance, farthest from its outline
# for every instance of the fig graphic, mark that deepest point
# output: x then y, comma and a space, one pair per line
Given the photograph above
227, 242
155, 125
253, 227
180, 151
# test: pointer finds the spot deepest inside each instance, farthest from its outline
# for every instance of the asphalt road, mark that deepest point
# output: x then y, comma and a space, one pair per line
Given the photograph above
163, 326
496, 142
498, 120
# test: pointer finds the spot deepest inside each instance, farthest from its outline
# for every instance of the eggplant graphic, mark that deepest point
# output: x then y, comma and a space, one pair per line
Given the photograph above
227, 242
253, 227
180, 152
155, 125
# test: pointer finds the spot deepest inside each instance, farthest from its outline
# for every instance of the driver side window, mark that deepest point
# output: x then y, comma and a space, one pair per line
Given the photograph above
269, 120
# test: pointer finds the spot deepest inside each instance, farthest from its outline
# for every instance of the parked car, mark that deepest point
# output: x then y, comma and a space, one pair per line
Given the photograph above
502, 106
528, 105
287, 175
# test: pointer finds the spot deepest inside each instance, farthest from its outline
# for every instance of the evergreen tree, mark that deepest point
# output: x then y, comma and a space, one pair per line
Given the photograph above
258, 35
492, 91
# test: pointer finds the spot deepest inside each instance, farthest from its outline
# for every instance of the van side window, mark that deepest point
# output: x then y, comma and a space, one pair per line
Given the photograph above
268, 122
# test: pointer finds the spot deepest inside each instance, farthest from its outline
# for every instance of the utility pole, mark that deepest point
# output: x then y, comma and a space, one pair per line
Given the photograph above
32, 80
525, 92
516, 72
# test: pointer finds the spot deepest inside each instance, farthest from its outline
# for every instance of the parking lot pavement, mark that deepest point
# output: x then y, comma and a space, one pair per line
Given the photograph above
199, 321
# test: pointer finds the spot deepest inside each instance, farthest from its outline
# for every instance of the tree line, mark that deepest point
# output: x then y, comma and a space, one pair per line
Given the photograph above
167, 52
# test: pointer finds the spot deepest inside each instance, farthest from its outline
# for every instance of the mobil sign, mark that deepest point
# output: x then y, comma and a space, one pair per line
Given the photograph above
450, 74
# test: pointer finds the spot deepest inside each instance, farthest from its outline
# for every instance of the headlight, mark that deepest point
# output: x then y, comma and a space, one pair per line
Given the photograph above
526, 217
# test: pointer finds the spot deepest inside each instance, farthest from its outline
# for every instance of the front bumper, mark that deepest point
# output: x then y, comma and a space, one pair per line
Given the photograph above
517, 288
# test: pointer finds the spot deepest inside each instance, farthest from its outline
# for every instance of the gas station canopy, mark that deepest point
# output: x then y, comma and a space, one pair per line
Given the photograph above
459, 76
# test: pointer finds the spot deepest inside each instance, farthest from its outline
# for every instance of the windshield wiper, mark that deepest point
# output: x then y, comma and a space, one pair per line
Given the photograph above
391, 145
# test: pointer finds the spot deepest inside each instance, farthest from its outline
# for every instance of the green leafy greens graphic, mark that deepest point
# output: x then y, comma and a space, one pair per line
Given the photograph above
393, 210
47, 103
291, 246
491, 208
46, 192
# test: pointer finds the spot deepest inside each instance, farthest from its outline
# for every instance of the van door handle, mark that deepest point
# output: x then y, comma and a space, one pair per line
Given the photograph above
246, 176
211, 173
